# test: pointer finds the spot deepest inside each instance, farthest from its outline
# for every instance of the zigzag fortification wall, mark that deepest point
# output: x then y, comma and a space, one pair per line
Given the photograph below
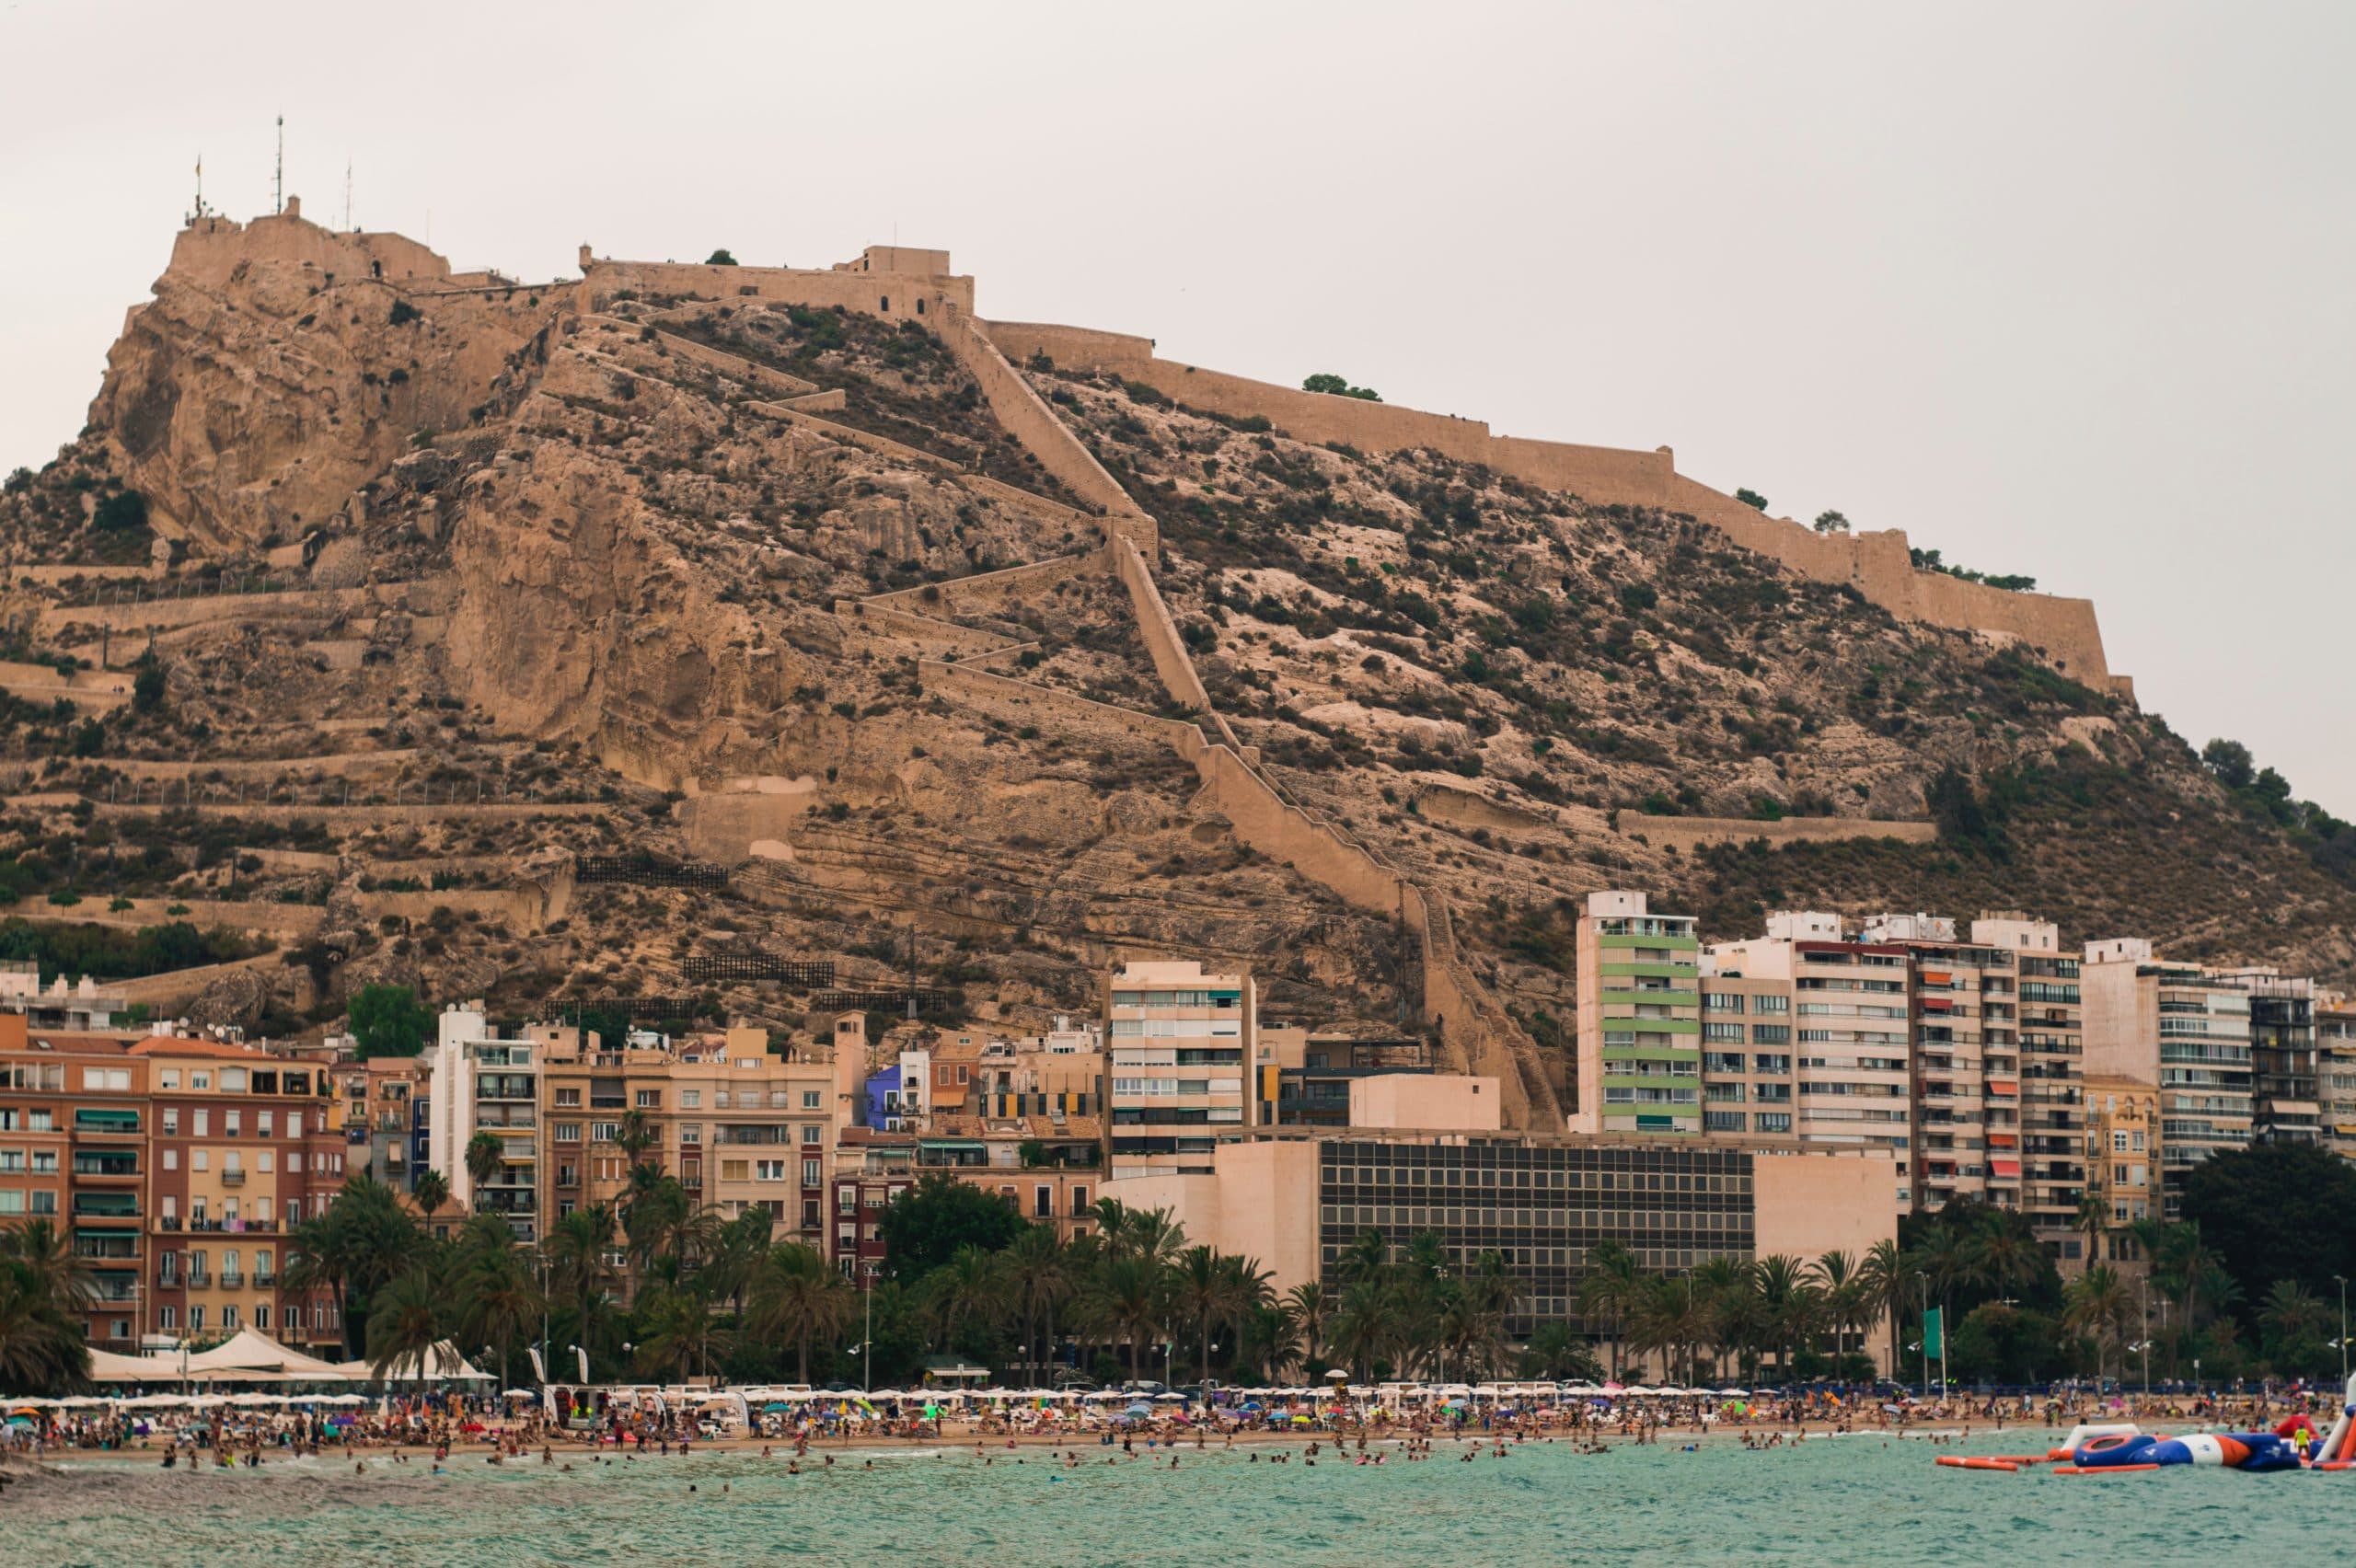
1876, 564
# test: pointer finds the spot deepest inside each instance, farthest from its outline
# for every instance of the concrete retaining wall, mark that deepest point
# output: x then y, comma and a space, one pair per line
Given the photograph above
1690, 833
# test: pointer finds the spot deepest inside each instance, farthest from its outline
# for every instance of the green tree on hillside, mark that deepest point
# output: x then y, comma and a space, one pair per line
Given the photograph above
1752, 498
1339, 387
389, 1021
720, 257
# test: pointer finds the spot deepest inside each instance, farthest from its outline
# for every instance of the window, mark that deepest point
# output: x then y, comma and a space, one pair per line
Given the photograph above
171, 1159
170, 1318
568, 1132
690, 1100
262, 1120
650, 1100
734, 1170
203, 1121
261, 1315
200, 1159
604, 1132
170, 1079
1770, 1035
171, 1121
568, 1097
1722, 1121
769, 1169
1723, 1032
11, 1199
1722, 1001
808, 1136
809, 1099
44, 1202
267, 1157
691, 1131
1772, 1121
196, 1319
810, 1177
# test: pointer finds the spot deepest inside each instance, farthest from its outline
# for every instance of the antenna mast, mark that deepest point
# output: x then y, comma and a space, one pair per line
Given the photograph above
200, 189
278, 193
347, 197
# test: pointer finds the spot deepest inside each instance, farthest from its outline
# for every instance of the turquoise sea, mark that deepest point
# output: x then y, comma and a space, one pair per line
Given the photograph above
1862, 1500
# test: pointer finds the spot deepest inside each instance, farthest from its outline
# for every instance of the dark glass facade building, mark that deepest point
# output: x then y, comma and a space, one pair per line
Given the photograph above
1543, 1206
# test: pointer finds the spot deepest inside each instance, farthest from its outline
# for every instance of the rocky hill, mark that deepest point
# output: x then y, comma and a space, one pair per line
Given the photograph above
616, 638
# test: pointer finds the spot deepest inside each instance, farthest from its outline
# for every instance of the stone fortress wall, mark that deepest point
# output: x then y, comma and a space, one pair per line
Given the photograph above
1876, 563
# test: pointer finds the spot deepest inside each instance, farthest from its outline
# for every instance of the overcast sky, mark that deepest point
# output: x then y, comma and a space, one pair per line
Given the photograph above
2061, 290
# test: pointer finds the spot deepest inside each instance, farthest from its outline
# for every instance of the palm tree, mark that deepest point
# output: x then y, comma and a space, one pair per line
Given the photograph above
2094, 1219
1307, 1304
1200, 1293
484, 1151
967, 1285
1126, 1297
405, 1324
1887, 1282
1835, 1276
42, 1350
739, 1247
1611, 1287
432, 1190
1365, 1327
679, 1330
2009, 1256
1038, 1278
1366, 1260
497, 1296
1268, 1341
2096, 1303
54, 1267
2296, 1318
1792, 1306
797, 1294
362, 1242
575, 1252
634, 1135
1554, 1352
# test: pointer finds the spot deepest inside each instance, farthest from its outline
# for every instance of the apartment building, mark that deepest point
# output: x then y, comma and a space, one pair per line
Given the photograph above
2286, 1095
482, 1084
2123, 1161
1639, 1020
871, 1168
244, 1147
1749, 1070
1304, 1079
1049, 1171
74, 1125
2047, 1030
2182, 1030
380, 1100
2335, 1067
79, 1009
1846, 1008
739, 1125
1179, 1038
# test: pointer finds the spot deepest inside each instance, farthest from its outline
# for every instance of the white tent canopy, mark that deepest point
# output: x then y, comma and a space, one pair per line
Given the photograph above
442, 1364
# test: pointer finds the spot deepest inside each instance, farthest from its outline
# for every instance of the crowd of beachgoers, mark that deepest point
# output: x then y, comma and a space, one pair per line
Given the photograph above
439, 1431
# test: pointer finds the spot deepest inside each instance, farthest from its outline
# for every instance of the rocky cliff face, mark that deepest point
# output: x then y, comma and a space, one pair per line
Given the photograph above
591, 580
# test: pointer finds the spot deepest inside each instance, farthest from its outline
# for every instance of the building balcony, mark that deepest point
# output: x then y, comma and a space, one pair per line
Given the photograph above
199, 1279
265, 1280
233, 1177
232, 1279
168, 1279
91, 1171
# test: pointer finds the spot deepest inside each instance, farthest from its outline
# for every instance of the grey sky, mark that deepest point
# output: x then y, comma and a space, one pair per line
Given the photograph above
2062, 290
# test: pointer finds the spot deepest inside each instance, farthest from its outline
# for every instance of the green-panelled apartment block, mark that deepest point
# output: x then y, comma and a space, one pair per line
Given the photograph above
1640, 1021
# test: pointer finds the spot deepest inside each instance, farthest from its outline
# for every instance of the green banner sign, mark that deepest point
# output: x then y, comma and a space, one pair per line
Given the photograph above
1934, 1345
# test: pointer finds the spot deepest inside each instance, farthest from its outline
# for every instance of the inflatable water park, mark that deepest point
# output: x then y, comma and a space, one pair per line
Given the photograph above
2121, 1447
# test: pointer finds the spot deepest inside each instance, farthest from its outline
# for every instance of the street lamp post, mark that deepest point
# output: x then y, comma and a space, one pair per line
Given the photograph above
2343, 1329
1925, 1281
